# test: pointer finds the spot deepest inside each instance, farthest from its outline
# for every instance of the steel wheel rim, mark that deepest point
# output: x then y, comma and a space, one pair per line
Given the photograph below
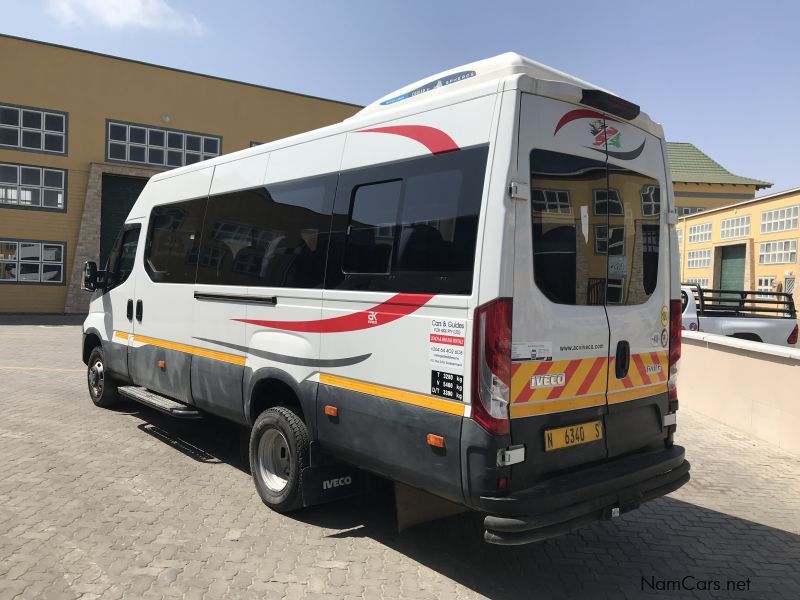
274, 462
96, 379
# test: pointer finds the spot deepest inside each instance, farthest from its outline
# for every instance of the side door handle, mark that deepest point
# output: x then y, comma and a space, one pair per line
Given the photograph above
623, 359
139, 310
129, 310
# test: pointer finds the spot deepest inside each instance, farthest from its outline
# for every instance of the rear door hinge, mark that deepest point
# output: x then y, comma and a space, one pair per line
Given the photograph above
519, 190
511, 455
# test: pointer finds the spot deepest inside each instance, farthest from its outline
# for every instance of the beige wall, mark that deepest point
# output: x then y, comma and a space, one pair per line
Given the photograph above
93, 88
752, 387
710, 195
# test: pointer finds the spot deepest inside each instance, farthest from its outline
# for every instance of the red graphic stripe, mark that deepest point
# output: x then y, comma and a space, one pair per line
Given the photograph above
527, 391
435, 140
591, 376
637, 360
557, 391
581, 113
394, 308
626, 381
514, 368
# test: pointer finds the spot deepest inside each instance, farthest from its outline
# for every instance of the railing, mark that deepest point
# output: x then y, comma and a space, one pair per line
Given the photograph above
743, 303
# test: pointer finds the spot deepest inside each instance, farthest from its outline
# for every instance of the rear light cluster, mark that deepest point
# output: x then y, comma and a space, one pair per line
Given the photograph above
674, 347
491, 366
792, 339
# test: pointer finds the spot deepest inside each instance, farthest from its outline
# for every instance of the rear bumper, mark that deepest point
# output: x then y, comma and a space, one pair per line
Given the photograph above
556, 506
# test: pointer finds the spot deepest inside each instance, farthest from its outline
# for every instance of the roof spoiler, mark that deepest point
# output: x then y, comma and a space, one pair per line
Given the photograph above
610, 103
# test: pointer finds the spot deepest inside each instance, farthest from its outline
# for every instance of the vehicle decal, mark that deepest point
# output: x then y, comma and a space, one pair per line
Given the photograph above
435, 140
630, 155
581, 113
584, 383
390, 393
292, 360
603, 134
431, 85
399, 305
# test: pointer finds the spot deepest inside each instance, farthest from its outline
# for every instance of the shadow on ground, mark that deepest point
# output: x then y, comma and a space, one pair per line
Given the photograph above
667, 548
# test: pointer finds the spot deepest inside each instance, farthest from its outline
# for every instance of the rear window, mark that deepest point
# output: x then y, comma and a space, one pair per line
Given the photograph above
596, 230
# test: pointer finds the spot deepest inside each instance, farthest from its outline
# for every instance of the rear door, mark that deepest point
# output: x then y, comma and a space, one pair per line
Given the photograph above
560, 335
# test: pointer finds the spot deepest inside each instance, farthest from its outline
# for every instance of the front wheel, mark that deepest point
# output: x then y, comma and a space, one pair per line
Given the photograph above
102, 388
278, 453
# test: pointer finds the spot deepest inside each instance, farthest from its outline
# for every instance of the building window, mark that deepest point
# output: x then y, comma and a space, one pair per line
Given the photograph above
782, 251
697, 259
26, 261
253, 144
613, 244
550, 201
607, 202
780, 219
700, 233
699, 281
33, 129
689, 210
735, 227
28, 186
765, 285
651, 200
129, 142
615, 290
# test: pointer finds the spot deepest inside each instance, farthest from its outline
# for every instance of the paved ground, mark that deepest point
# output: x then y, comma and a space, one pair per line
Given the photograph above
126, 503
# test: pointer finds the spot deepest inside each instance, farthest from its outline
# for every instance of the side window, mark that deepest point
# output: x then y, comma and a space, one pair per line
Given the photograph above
120, 262
173, 240
410, 226
274, 236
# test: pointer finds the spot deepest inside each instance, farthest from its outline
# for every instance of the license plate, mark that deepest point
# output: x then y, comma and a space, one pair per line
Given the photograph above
573, 435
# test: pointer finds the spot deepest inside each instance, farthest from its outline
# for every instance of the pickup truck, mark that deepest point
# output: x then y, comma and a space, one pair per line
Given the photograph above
768, 317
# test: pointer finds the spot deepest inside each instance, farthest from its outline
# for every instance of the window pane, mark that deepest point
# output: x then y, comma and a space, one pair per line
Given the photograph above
52, 252
54, 142
173, 241
52, 273
175, 140
8, 271
156, 137
29, 271
120, 263
32, 119
30, 251
54, 179
118, 132
137, 135
54, 123
371, 233
155, 156
268, 237
192, 158
30, 196
117, 151
9, 116
9, 136
8, 250
52, 199
174, 158
193, 143
211, 145
136, 153
32, 139
30, 176
8, 174
9, 194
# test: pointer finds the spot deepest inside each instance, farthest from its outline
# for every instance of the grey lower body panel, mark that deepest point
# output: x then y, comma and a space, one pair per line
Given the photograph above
217, 387
174, 380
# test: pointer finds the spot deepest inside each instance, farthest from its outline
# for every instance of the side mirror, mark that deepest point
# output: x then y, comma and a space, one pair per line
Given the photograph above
90, 276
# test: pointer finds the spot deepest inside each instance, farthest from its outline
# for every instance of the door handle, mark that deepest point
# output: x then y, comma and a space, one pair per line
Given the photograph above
129, 310
139, 311
623, 359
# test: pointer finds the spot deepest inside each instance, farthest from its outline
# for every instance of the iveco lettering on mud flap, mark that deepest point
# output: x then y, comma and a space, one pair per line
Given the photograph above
457, 289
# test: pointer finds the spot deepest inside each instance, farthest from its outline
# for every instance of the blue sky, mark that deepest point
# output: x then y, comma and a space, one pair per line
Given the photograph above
722, 74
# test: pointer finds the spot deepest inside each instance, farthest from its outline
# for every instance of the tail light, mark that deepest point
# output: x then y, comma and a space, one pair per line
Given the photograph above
674, 347
792, 339
491, 366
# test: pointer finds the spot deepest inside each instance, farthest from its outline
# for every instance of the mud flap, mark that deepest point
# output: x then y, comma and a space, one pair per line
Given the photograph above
415, 506
331, 482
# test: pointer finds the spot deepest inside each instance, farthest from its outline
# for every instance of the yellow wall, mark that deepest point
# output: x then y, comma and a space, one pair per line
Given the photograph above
753, 269
93, 88
711, 195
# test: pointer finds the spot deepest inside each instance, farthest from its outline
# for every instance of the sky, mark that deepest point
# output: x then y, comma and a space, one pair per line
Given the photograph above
721, 74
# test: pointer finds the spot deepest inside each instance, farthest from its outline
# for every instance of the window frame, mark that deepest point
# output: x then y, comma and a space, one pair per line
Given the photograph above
42, 187
608, 190
701, 262
20, 128
126, 227
778, 253
41, 262
148, 241
649, 188
735, 227
773, 221
702, 233
558, 203
699, 281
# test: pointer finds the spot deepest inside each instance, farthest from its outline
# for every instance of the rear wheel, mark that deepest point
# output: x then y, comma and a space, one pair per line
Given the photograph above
102, 387
278, 453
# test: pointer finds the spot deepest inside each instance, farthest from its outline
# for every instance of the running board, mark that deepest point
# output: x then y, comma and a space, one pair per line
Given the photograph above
159, 402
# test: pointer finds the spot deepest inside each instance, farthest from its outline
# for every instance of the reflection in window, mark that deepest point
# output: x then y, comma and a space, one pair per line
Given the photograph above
651, 200
607, 202
614, 245
550, 201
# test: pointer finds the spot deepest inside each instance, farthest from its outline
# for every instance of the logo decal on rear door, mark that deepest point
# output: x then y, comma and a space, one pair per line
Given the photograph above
549, 380
604, 134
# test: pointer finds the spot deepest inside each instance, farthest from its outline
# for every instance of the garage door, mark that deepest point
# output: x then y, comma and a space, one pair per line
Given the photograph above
731, 275
119, 194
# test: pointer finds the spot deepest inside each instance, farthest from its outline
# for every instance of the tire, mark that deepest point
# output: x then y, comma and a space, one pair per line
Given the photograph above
278, 453
102, 387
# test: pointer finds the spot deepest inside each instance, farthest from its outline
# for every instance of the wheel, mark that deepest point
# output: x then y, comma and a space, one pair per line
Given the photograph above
102, 387
278, 452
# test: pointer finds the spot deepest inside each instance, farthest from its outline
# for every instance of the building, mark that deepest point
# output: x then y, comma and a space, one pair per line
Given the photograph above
701, 183
80, 134
746, 245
